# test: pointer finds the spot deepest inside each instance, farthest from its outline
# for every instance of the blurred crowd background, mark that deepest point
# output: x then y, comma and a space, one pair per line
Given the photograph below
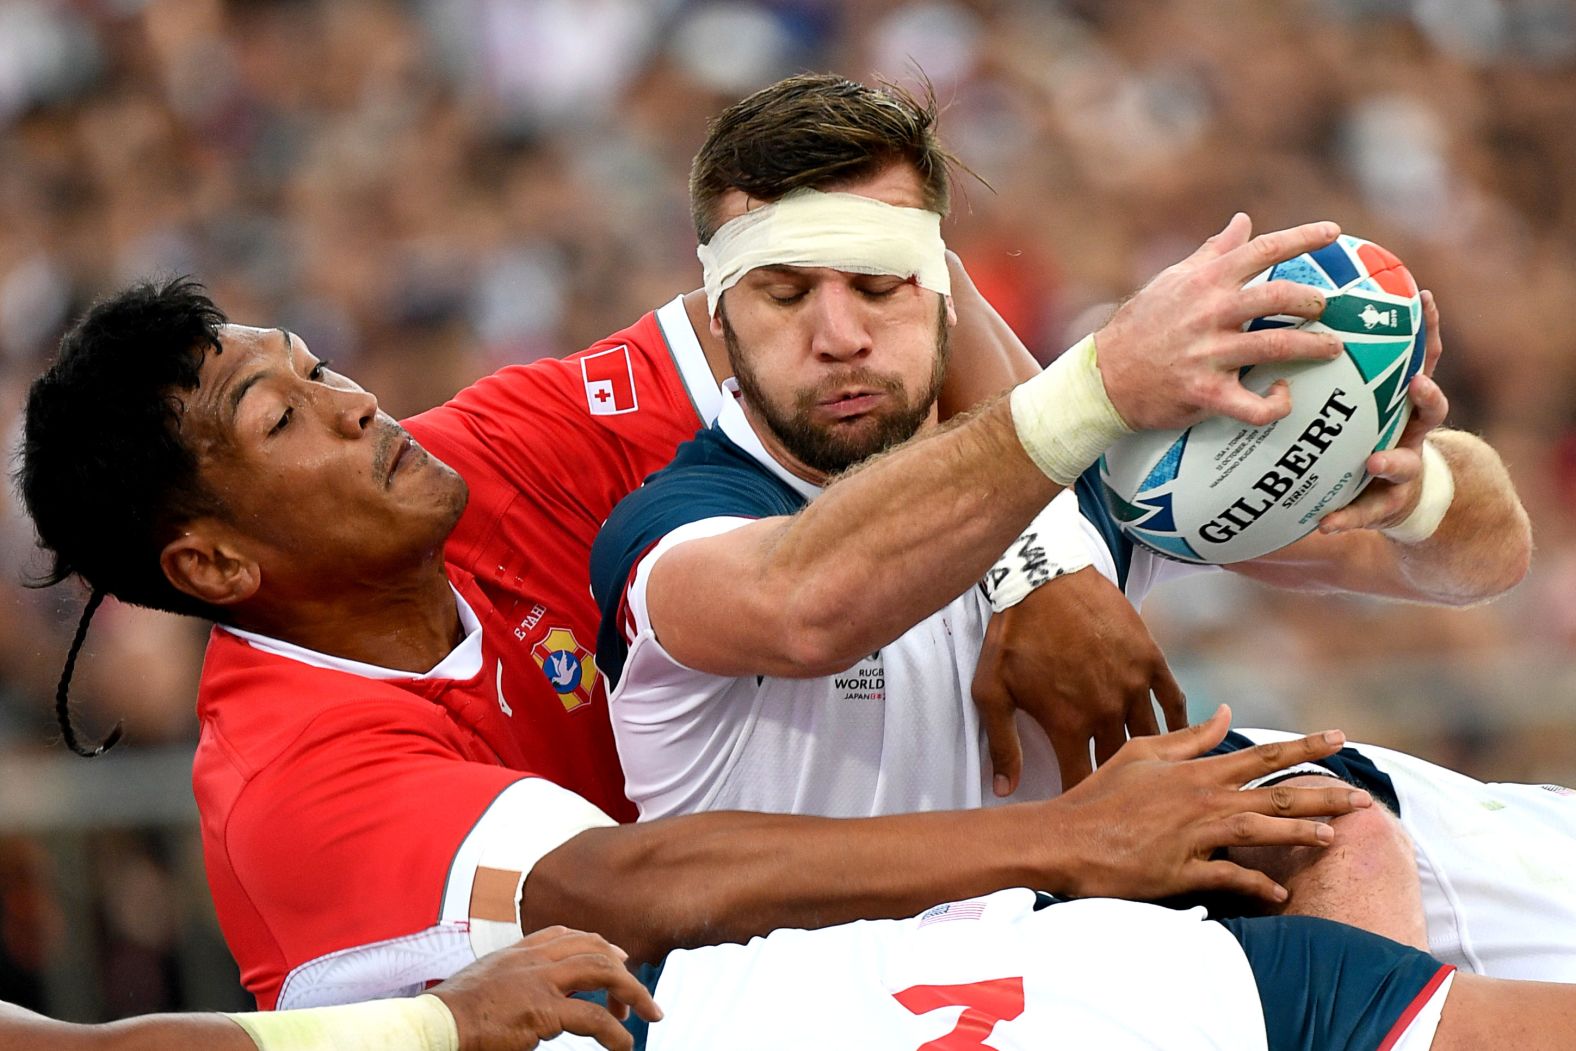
429, 189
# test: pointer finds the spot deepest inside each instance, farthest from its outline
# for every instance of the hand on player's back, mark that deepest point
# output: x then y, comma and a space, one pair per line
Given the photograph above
1076, 656
513, 999
1145, 824
1171, 355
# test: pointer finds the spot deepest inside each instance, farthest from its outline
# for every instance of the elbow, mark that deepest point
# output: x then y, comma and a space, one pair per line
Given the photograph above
1516, 561
820, 637
1495, 576
814, 659
576, 885
1515, 558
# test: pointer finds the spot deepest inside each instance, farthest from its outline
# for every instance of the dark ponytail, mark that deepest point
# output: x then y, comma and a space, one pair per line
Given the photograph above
62, 702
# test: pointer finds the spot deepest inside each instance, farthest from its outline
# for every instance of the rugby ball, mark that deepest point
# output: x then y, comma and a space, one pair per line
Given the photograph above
1222, 491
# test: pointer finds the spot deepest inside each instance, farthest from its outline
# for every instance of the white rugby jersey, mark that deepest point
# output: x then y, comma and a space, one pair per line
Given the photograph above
895, 732
1015, 970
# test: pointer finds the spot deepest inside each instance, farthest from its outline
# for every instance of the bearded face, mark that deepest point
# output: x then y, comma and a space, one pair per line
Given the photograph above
851, 413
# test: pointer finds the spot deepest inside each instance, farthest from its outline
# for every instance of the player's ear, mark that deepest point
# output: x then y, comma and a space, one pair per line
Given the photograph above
952, 311
201, 563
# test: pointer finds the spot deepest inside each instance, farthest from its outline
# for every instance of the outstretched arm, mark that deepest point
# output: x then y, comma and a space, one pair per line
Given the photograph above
25, 1031
900, 537
1145, 825
512, 999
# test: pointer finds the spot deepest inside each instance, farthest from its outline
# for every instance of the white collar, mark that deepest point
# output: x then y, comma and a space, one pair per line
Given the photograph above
737, 427
462, 662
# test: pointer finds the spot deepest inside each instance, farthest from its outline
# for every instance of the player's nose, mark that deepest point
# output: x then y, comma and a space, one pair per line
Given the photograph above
839, 331
354, 411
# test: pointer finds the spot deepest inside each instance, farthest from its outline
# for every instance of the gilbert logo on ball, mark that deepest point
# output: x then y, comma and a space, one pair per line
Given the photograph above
1221, 491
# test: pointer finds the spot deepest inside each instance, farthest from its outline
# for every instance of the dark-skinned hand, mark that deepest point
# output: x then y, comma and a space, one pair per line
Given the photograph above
1077, 658
513, 999
1147, 824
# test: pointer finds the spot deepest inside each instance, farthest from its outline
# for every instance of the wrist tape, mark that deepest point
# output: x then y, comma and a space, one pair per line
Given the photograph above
1438, 490
1063, 416
1051, 546
420, 1024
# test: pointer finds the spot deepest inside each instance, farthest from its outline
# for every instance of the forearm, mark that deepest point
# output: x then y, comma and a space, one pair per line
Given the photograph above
987, 355
1145, 825
24, 1031
879, 550
905, 535
725, 876
1483, 546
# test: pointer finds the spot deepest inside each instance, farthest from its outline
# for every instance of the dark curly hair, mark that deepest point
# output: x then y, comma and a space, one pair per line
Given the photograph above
102, 469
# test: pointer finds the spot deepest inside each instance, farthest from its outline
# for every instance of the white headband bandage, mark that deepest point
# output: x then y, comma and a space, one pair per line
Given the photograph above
841, 231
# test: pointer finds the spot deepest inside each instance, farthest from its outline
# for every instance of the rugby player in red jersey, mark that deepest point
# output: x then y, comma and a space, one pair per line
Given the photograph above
405, 760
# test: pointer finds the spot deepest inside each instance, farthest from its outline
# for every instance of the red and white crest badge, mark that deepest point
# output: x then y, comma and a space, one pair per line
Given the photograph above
610, 381
570, 667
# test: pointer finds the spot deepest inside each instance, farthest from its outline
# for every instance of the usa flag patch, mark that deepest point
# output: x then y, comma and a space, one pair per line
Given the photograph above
610, 381
952, 910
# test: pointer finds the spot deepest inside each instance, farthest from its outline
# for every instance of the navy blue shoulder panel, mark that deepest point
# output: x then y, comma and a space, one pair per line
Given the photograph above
710, 477
1092, 506
1325, 986
1349, 764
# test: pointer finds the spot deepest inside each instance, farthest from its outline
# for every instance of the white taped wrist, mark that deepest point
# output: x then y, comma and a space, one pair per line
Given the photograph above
1063, 416
1053, 544
1438, 491
419, 1024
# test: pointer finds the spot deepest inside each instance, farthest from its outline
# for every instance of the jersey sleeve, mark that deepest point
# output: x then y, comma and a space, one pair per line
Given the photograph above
376, 803
673, 499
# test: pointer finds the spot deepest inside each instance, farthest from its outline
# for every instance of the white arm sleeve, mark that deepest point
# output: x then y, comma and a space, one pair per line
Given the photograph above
526, 822
676, 727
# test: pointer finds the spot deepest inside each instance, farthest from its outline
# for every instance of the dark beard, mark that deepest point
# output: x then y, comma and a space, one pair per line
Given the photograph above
833, 449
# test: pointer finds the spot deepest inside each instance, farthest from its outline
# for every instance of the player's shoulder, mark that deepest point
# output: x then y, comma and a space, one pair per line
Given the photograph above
714, 477
254, 705
607, 367
709, 477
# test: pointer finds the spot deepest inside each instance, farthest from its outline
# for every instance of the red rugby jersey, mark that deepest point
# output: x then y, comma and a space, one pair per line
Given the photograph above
344, 814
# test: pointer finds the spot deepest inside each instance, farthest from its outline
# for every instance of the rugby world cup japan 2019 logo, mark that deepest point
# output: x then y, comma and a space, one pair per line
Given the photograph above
569, 667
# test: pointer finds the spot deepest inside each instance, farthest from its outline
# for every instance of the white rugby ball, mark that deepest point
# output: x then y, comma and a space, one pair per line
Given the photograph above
1222, 491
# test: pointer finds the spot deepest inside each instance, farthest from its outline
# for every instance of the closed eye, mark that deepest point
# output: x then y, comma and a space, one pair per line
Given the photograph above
880, 290
315, 374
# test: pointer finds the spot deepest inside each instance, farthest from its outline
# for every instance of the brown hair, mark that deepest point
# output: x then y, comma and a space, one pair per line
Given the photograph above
817, 130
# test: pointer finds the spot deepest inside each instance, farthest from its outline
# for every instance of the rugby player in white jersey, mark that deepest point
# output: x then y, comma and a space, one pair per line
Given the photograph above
713, 708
